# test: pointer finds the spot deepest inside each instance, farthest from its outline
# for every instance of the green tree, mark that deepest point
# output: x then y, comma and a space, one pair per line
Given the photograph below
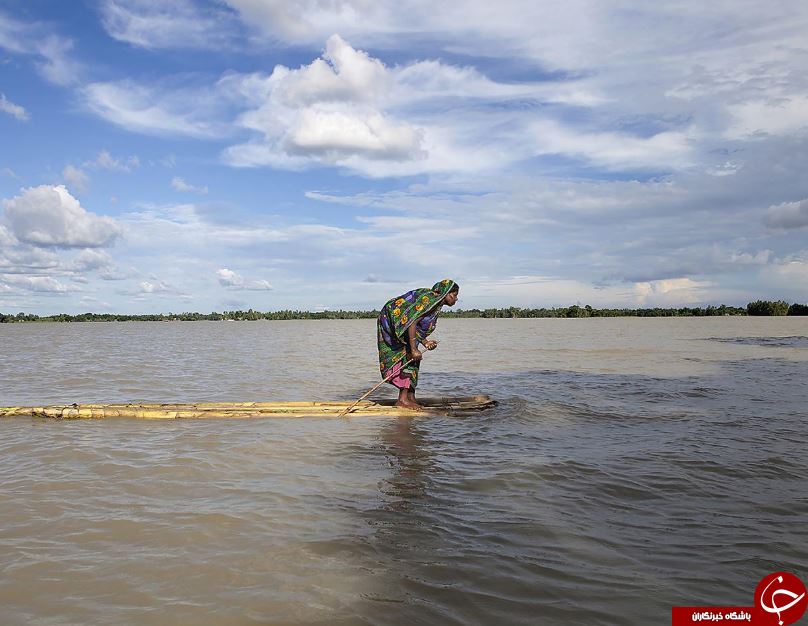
767, 307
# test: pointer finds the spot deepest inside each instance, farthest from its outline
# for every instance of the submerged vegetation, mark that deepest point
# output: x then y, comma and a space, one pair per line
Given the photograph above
759, 307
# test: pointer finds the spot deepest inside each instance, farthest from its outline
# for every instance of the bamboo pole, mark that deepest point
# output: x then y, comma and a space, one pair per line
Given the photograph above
389, 377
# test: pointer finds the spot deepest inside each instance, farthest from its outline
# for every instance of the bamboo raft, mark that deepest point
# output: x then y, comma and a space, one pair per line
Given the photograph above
431, 406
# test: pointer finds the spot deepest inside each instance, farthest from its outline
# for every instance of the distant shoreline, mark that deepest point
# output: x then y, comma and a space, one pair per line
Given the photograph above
757, 308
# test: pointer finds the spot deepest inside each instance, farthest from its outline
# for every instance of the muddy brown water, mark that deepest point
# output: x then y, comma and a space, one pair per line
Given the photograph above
631, 465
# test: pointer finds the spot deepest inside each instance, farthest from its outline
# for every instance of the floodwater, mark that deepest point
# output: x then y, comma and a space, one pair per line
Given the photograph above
631, 465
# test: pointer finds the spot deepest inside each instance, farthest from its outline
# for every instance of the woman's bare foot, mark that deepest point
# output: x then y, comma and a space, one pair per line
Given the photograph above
406, 400
406, 404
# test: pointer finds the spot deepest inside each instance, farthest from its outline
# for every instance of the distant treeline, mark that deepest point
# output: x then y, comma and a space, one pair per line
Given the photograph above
759, 307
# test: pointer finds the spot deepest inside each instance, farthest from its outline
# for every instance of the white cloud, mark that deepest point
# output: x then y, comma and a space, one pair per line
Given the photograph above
533, 130
309, 20
772, 117
788, 277
761, 257
671, 292
43, 284
50, 216
146, 109
23, 259
106, 161
91, 259
15, 110
75, 177
51, 52
7, 171
229, 278
328, 110
788, 215
696, 74
180, 185
156, 286
342, 74
334, 135
181, 227
114, 273
259, 285
166, 24
349, 109
6, 238
94, 303
57, 66
579, 35
666, 150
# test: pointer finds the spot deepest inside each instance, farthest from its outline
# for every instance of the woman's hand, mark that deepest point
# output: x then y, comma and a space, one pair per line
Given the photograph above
415, 355
430, 344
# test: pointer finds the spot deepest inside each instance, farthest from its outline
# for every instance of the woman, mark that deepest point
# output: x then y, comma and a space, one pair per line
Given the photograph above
403, 323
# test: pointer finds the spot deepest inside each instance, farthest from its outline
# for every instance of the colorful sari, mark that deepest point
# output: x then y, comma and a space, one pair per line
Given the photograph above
420, 307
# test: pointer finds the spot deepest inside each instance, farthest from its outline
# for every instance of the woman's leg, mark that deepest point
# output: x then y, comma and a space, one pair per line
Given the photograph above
412, 371
403, 381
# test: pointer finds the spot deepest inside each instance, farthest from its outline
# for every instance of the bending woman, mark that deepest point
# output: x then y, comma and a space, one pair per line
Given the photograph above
405, 322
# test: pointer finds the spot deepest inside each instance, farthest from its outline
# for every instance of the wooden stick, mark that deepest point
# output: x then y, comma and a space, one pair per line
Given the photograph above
391, 375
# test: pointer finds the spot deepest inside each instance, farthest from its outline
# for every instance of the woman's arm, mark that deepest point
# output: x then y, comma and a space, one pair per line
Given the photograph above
412, 343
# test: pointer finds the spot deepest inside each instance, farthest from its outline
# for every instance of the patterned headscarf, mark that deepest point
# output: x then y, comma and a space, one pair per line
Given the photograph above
416, 304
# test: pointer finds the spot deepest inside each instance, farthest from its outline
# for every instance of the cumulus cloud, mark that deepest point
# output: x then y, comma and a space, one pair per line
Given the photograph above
333, 135
22, 259
14, 110
42, 284
180, 185
49, 216
788, 215
229, 278
156, 286
91, 259
328, 110
341, 74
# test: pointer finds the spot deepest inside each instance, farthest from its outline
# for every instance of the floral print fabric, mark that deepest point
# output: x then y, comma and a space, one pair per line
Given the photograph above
420, 307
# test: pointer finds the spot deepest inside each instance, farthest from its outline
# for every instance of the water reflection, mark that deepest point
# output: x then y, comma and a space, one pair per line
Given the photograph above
410, 461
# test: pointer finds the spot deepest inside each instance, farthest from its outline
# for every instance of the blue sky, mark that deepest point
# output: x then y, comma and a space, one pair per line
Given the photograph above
198, 155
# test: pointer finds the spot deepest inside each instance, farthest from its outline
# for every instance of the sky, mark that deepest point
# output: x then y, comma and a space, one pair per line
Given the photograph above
209, 155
